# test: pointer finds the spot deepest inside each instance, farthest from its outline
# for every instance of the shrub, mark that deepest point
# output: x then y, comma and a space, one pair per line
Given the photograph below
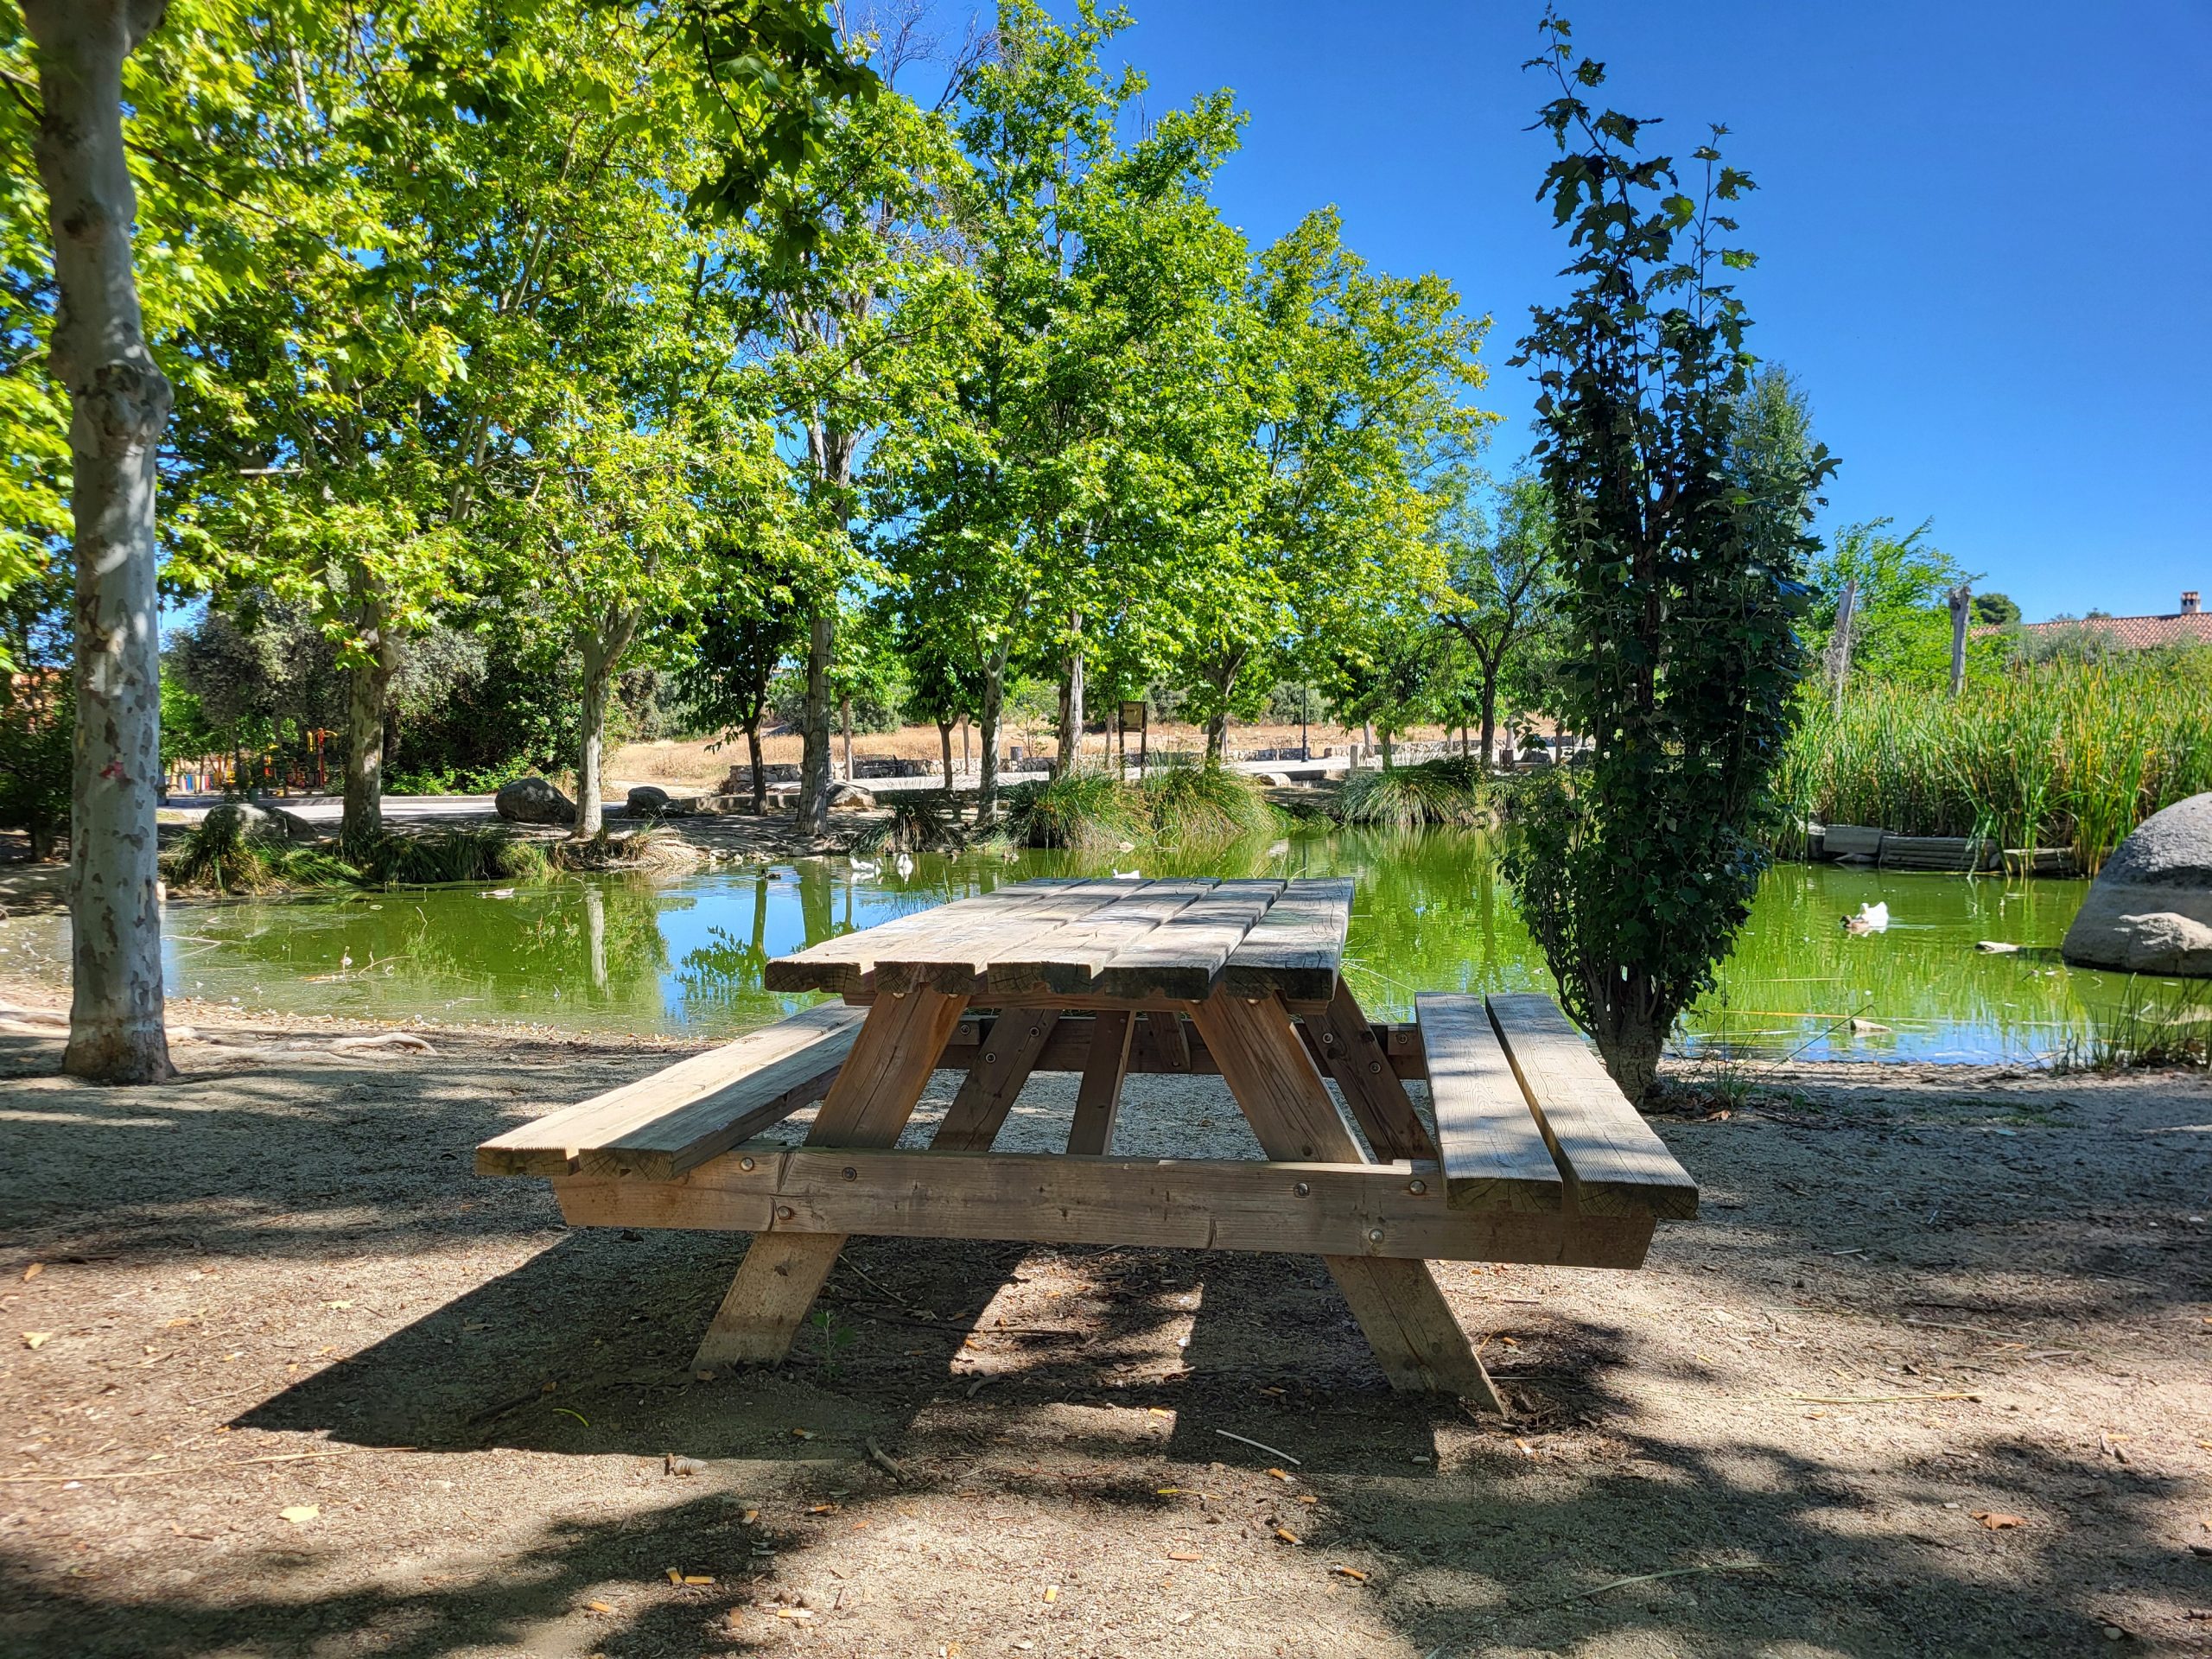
465, 855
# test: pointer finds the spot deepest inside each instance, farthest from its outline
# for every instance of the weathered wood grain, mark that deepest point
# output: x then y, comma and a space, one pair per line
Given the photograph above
1357, 1059
1614, 1163
1176, 1203
1296, 950
662, 1125
1493, 1151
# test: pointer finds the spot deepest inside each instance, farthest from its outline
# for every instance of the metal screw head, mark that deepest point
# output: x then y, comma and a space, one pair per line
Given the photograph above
1417, 1187
1374, 1234
1303, 1190
990, 1059
1375, 1065
744, 1163
851, 1174
784, 1212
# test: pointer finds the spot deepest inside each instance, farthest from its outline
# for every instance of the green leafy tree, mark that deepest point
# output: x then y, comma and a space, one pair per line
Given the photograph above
1033, 502
1502, 581
1996, 610
1347, 396
1682, 552
1900, 622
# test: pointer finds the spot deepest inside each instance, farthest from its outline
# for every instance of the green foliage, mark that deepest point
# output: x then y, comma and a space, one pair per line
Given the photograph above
1995, 610
461, 854
1683, 548
2155, 1025
2069, 753
1900, 613
1447, 791
216, 856
38, 715
1175, 807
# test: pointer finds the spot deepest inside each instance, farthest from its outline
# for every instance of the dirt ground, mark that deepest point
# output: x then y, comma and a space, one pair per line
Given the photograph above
1931, 1376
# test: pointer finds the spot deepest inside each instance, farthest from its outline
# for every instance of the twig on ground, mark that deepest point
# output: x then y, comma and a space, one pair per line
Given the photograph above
1650, 1578
1871, 1399
1272, 1450
883, 1460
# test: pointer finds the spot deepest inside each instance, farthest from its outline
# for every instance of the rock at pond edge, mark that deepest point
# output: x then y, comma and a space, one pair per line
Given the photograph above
2150, 909
533, 800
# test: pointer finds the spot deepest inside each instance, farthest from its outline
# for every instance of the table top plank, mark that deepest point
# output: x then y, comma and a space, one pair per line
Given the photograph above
955, 959
844, 963
1066, 958
1184, 957
1297, 948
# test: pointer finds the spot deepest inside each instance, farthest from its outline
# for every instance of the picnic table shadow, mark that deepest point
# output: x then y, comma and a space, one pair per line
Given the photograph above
1502, 1552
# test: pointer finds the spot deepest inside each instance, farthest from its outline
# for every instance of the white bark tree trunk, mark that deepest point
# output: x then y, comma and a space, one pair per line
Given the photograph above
119, 406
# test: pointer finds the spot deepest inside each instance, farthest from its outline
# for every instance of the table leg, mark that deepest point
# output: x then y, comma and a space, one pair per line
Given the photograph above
1407, 1323
1009, 1053
898, 1045
1098, 1096
1370, 1087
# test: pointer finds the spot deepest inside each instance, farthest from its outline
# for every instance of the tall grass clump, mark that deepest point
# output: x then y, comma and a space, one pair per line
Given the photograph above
1199, 804
462, 855
1443, 791
918, 823
2056, 754
2169, 1027
216, 856
1083, 811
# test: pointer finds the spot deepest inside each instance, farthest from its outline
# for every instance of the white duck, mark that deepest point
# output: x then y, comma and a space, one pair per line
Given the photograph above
1870, 918
904, 864
1129, 876
865, 867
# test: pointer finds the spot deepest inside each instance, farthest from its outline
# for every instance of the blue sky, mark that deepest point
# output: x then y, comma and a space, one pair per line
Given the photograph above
1983, 231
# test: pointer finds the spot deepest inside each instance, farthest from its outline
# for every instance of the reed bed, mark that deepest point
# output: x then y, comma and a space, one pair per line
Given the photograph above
2061, 755
1448, 791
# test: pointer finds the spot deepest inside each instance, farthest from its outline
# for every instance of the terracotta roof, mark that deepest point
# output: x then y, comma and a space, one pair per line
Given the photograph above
2140, 632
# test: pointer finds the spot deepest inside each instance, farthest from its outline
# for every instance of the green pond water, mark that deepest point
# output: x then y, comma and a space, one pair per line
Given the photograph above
685, 956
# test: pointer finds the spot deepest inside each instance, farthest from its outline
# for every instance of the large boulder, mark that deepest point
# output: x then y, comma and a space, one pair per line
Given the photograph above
532, 800
850, 797
257, 820
2150, 909
648, 801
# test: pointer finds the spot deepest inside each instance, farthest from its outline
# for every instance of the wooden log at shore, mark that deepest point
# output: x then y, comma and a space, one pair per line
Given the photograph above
1851, 841
2041, 860
1959, 854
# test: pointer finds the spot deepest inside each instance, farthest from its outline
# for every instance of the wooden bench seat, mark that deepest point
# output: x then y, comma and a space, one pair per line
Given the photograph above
662, 1126
1527, 1119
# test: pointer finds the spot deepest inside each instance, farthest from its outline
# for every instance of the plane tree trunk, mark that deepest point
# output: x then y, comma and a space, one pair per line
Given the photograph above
119, 406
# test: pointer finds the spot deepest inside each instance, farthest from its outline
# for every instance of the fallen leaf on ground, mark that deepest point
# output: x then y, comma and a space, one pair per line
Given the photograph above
36, 1339
749, 1516
1286, 1535
1183, 1555
1051, 1593
1353, 1573
300, 1513
597, 1607
1996, 1520
33, 1271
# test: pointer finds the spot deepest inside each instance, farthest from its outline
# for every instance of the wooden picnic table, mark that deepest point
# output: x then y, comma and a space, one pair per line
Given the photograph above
1530, 1154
